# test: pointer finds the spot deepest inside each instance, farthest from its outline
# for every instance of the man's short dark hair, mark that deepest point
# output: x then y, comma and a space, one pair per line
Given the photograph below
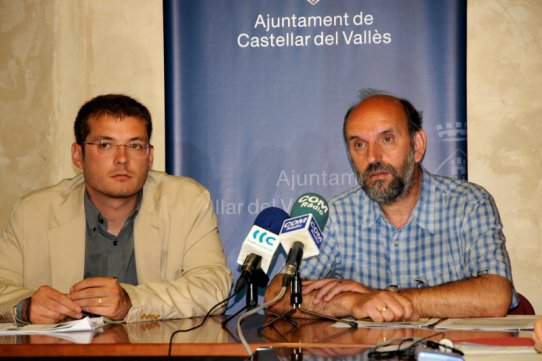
116, 105
414, 117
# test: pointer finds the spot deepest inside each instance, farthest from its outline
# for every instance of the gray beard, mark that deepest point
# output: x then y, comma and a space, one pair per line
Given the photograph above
399, 186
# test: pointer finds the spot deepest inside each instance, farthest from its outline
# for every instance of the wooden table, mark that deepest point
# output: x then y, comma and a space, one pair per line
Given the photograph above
151, 339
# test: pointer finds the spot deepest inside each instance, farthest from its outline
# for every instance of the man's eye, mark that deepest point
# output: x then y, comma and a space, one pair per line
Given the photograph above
359, 145
388, 139
105, 145
136, 146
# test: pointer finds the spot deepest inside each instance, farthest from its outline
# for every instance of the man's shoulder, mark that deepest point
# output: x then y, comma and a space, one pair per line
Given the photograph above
455, 187
354, 194
46, 202
167, 184
59, 191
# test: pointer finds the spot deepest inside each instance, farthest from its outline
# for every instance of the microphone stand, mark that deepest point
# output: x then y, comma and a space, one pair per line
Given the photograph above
258, 278
296, 300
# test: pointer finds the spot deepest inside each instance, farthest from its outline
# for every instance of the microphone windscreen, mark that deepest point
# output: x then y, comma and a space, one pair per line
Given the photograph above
311, 203
271, 219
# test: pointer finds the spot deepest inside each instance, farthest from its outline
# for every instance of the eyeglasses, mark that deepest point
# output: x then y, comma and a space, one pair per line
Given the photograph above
134, 148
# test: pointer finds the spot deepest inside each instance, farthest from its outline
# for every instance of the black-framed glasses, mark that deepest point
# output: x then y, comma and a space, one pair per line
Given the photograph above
109, 148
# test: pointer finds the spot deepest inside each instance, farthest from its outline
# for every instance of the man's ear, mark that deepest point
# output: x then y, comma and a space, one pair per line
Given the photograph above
420, 145
151, 157
77, 155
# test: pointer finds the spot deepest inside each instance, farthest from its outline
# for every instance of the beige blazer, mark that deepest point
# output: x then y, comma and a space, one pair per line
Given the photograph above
181, 268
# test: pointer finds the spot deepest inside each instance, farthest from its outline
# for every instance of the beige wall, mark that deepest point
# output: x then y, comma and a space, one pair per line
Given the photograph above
55, 54
505, 126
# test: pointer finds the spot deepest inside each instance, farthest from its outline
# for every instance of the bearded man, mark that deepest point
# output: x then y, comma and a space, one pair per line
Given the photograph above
405, 243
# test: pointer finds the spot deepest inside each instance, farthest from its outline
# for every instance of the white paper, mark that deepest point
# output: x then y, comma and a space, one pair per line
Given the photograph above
477, 349
82, 325
422, 322
508, 323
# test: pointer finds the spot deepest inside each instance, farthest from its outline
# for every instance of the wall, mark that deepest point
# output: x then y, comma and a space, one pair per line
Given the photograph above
56, 54
504, 125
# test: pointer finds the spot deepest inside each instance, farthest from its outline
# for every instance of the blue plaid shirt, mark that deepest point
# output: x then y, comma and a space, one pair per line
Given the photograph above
454, 233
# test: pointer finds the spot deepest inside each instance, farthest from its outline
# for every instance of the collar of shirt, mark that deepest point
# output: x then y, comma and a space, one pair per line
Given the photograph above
95, 220
423, 214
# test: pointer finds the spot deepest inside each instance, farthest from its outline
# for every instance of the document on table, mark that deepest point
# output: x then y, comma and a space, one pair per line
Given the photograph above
83, 325
508, 323
422, 322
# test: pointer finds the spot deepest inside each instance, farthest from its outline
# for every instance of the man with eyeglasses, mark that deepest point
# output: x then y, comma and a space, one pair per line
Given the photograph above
118, 240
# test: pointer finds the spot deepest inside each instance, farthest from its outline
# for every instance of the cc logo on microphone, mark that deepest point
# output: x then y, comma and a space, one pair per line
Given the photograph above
264, 237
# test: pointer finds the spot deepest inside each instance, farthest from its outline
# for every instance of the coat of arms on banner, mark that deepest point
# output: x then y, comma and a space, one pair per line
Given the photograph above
313, 2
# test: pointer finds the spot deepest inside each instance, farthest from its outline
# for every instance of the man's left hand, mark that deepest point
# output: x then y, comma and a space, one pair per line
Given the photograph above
102, 296
384, 306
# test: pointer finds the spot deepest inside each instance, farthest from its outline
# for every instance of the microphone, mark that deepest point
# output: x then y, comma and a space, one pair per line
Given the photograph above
302, 233
260, 244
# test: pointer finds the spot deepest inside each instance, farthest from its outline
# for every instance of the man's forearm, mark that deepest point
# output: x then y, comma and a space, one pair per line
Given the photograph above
482, 296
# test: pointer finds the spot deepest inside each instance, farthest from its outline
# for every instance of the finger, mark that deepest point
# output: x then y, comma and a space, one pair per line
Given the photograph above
402, 307
375, 313
94, 302
98, 309
410, 313
40, 314
114, 305
50, 312
87, 293
395, 307
93, 288
390, 314
340, 287
310, 286
47, 302
383, 307
93, 282
324, 291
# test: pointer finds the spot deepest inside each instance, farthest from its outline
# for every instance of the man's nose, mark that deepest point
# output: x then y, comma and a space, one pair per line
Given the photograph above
374, 153
121, 153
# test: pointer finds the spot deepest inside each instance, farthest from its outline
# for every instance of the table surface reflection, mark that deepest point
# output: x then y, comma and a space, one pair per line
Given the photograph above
316, 337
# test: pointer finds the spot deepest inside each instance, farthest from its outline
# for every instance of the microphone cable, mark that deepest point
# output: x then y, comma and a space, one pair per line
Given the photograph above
240, 334
404, 348
198, 325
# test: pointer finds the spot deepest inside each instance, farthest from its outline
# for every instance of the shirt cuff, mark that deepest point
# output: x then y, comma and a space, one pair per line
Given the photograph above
18, 312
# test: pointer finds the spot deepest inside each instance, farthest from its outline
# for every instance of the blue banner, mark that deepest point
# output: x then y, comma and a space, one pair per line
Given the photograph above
256, 92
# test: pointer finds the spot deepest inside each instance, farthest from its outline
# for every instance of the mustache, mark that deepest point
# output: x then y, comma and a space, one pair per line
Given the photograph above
378, 167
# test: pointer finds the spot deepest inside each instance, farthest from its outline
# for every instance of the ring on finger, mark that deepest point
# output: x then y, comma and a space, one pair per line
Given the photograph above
100, 301
383, 309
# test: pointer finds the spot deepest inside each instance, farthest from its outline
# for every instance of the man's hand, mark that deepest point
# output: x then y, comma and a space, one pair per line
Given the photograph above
537, 335
383, 306
380, 306
346, 298
102, 296
328, 288
48, 305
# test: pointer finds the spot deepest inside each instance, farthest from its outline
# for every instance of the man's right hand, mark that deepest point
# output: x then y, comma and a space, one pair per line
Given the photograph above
347, 299
328, 288
364, 302
48, 305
